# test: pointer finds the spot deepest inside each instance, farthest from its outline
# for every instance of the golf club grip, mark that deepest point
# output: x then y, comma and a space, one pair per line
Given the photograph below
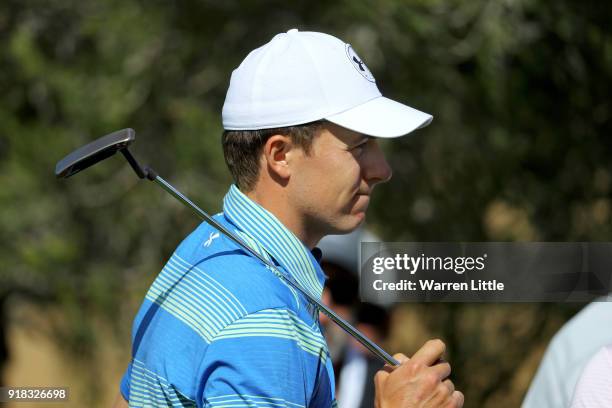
346, 326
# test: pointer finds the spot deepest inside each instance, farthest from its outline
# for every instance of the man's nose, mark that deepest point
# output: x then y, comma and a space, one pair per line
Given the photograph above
377, 170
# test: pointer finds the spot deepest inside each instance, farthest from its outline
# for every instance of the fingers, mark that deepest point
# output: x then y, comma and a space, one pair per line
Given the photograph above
379, 382
442, 370
449, 386
427, 358
380, 378
419, 381
430, 352
454, 400
401, 358
457, 400
445, 396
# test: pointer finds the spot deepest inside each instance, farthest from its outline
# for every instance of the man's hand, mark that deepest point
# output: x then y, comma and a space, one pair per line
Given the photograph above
418, 381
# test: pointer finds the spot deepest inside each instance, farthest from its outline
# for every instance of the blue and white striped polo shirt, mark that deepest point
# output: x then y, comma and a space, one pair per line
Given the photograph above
218, 329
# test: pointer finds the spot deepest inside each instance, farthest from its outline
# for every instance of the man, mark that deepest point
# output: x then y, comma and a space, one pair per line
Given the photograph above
567, 355
594, 387
217, 328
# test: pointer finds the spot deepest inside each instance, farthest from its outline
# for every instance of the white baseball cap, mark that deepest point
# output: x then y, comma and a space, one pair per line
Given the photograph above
300, 77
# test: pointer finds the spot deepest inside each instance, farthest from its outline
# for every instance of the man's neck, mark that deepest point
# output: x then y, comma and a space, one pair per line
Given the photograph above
278, 205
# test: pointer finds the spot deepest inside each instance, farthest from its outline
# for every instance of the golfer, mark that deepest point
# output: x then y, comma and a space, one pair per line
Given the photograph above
217, 328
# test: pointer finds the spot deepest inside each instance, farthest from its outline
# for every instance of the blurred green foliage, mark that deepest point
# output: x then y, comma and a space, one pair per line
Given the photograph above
519, 148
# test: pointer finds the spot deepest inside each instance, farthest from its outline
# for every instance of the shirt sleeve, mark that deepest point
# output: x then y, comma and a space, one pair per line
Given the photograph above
264, 359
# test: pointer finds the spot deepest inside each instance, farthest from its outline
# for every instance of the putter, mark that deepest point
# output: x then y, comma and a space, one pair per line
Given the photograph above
119, 141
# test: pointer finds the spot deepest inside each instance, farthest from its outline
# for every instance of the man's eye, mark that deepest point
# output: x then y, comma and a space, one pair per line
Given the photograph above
359, 148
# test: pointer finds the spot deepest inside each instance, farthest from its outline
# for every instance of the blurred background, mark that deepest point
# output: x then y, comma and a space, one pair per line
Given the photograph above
519, 150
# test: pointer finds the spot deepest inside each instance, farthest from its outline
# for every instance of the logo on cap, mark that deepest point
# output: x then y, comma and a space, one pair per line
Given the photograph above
359, 65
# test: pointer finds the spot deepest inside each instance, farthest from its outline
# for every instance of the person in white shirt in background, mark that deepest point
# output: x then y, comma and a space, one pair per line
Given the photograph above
567, 355
594, 388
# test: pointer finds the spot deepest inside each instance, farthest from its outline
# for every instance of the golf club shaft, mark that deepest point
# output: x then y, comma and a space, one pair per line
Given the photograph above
366, 342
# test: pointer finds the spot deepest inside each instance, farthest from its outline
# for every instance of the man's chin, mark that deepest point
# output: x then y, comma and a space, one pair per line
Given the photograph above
349, 225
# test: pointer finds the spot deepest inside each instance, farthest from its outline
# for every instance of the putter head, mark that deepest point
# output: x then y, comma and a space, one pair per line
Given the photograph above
94, 152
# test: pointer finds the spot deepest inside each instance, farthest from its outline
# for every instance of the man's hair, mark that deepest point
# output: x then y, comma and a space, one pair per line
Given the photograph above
242, 149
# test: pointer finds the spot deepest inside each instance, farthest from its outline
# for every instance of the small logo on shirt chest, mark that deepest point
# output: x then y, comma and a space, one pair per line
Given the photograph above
213, 235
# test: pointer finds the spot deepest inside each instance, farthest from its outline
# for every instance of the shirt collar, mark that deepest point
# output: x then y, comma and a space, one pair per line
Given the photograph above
278, 241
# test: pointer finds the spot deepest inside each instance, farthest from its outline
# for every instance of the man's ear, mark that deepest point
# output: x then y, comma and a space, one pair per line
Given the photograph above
277, 153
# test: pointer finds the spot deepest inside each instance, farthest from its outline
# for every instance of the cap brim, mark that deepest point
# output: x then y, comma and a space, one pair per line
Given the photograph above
382, 117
